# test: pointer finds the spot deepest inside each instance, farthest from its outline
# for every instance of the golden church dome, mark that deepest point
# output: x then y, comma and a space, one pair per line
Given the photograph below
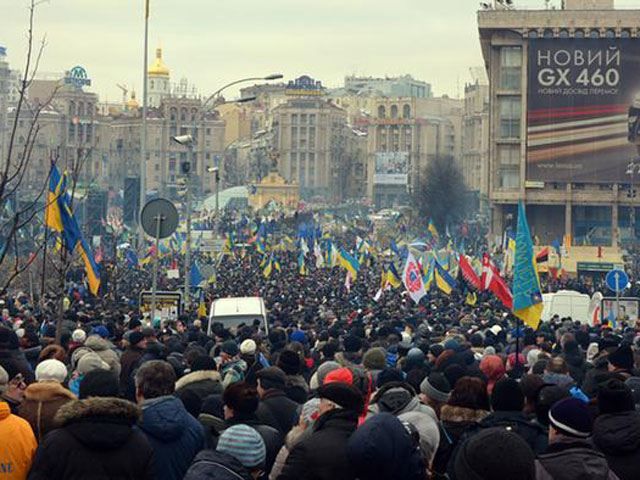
159, 68
132, 103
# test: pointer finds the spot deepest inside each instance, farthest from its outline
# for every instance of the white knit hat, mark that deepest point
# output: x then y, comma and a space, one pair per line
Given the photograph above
248, 347
51, 371
79, 335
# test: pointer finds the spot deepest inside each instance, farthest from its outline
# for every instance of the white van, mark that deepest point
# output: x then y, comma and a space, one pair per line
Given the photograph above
566, 303
233, 311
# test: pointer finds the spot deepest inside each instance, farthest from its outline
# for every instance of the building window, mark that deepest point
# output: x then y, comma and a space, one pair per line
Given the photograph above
509, 178
563, 33
303, 118
208, 131
510, 68
406, 111
625, 34
533, 34
394, 111
72, 108
510, 111
594, 34
509, 155
579, 34
294, 118
548, 33
610, 34
312, 119
382, 113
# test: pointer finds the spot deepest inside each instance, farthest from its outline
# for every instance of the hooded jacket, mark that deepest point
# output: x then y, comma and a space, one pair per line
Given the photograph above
106, 351
15, 455
398, 398
323, 454
41, 402
617, 435
202, 383
212, 465
96, 440
176, 437
574, 459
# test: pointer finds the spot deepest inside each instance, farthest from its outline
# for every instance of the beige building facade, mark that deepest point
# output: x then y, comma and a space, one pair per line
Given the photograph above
475, 140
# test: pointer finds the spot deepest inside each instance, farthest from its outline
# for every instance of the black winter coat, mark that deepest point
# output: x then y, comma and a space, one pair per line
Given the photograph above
530, 432
278, 411
323, 454
202, 383
574, 459
14, 362
618, 437
97, 441
212, 465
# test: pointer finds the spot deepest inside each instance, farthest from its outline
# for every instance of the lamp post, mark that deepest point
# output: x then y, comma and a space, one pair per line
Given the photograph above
143, 139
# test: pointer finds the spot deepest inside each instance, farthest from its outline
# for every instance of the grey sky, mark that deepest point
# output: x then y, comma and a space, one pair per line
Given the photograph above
212, 42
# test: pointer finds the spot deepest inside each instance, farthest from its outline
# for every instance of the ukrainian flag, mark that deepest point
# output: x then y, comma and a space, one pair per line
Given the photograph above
268, 268
433, 230
393, 278
527, 295
444, 281
348, 262
427, 278
301, 264
90, 266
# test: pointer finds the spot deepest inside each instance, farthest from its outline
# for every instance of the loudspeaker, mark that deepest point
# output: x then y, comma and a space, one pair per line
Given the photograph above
131, 201
96, 212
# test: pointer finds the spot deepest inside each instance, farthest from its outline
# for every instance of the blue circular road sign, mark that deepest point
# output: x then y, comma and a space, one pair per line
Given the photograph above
617, 280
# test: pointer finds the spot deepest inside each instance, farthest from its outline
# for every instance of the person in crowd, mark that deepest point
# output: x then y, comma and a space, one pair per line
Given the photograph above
44, 398
275, 408
495, 453
96, 437
323, 454
239, 455
556, 372
616, 430
570, 455
203, 380
249, 354
175, 436
435, 391
12, 359
130, 358
621, 362
493, 368
232, 368
17, 442
374, 361
296, 386
240, 404
99, 343
385, 448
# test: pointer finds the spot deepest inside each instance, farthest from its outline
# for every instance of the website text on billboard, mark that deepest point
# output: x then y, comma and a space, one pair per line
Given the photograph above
583, 115
391, 168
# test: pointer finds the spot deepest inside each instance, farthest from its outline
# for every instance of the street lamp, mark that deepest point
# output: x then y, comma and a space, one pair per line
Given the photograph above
216, 171
185, 167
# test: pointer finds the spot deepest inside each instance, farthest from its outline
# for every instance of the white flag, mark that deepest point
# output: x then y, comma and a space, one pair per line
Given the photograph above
412, 279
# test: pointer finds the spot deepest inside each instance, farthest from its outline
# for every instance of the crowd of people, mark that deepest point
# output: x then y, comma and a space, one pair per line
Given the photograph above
342, 386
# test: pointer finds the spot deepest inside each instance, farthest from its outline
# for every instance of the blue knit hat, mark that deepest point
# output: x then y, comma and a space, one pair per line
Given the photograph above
244, 444
571, 417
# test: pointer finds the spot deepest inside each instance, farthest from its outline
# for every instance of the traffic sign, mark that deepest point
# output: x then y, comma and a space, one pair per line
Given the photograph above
617, 280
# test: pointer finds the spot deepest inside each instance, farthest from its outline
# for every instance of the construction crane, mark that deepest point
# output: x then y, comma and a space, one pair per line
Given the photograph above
125, 91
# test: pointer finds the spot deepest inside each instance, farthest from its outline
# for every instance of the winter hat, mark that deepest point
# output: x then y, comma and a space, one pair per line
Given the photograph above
436, 387
415, 355
100, 330
511, 360
324, 369
507, 396
340, 375
375, 359
299, 336
634, 385
615, 397
343, 395
134, 323
79, 335
389, 375
309, 410
244, 444
274, 375
452, 344
8, 339
91, 361
248, 347
532, 357
385, 449
290, 363
352, 343
571, 417
427, 427
203, 363
135, 338
482, 457
4, 379
99, 383
592, 351
622, 358
230, 348
436, 349
51, 371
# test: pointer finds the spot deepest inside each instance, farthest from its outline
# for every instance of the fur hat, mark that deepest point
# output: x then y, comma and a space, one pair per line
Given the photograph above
248, 347
79, 335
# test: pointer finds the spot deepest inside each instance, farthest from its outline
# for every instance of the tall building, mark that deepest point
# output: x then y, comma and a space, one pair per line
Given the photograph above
475, 140
317, 147
564, 120
401, 86
159, 81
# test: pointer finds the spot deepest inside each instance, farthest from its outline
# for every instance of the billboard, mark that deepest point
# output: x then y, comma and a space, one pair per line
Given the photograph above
392, 168
583, 109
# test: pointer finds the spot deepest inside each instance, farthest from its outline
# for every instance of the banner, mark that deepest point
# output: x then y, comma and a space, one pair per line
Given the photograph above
583, 109
392, 168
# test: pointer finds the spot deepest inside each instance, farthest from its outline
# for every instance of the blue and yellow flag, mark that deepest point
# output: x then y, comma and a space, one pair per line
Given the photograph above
433, 230
349, 263
301, 264
444, 281
527, 295
90, 266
